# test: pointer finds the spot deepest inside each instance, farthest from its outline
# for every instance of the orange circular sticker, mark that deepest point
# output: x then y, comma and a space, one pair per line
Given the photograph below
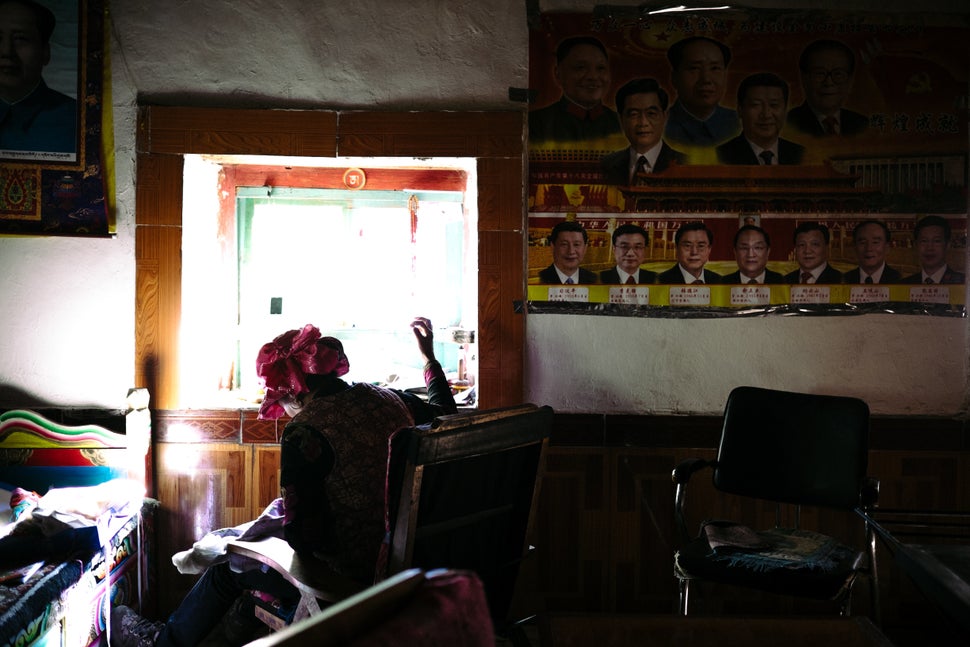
354, 178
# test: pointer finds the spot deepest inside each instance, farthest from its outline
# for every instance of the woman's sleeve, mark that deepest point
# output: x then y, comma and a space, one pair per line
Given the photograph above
439, 391
440, 400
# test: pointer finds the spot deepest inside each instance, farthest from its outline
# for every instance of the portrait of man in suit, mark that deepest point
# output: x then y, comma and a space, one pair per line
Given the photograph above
698, 72
762, 104
629, 250
33, 116
569, 242
811, 247
752, 246
582, 71
932, 239
872, 240
827, 71
693, 241
642, 108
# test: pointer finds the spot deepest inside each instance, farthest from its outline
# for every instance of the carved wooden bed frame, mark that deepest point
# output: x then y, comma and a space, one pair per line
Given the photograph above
66, 601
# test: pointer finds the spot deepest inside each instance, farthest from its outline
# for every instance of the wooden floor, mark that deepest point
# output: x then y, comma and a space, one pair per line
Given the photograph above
630, 631
922, 626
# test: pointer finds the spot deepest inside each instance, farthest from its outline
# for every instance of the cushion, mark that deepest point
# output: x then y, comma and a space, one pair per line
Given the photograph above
449, 608
779, 560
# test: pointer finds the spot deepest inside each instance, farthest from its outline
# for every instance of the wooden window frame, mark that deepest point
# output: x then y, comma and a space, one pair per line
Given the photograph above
494, 139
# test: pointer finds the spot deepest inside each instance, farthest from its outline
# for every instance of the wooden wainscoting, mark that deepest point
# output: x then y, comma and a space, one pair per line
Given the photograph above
605, 537
604, 531
213, 469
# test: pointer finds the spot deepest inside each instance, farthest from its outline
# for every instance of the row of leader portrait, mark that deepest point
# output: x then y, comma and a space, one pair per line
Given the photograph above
694, 241
662, 131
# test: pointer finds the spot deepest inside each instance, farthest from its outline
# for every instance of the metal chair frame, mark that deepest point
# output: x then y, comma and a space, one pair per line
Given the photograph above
743, 411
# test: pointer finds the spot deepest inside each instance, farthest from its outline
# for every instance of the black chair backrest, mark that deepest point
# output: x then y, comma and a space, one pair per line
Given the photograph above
469, 487
794, 448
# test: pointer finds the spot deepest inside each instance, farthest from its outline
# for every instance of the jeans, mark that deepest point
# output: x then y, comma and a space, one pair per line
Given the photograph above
211, 597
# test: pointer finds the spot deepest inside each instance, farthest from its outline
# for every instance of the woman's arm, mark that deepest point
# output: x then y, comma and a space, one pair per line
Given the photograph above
440, 399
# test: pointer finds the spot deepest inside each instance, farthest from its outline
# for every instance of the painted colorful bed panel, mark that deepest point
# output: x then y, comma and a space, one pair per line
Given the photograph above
37, 453
65, 603
119, 564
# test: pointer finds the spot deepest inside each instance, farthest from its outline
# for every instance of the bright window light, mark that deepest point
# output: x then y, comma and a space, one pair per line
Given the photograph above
358, 264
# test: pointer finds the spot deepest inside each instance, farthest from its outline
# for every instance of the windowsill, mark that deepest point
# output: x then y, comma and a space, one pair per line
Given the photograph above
237, 401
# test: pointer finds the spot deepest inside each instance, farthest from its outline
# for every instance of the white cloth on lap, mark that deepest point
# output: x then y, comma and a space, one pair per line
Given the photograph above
212, 548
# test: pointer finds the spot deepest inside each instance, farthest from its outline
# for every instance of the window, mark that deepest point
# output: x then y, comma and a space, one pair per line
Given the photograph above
260, 257
168, 135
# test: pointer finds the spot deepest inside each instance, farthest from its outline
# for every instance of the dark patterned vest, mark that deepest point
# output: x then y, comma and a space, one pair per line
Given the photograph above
340, 516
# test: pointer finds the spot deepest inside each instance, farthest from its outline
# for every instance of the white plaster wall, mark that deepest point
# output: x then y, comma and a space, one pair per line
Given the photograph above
306, 53
66, 321
67, 304
900, 364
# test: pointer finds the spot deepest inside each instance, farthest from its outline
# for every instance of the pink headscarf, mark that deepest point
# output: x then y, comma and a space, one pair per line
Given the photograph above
283, 364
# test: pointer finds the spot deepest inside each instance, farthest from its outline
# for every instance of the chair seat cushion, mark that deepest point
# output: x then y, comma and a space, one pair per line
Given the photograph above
780, 560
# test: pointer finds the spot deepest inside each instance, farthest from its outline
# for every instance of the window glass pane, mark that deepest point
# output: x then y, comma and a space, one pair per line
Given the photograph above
351, 265
358, 264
